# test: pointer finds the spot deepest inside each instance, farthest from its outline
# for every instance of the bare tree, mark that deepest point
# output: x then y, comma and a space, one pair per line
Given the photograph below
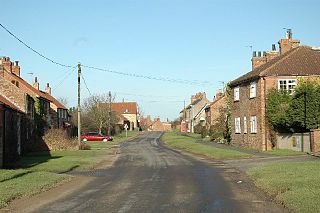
63, 100
97, 114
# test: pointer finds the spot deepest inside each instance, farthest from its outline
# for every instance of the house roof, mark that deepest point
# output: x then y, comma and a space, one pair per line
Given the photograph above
300, 61
36, 92
125, 107
8, 103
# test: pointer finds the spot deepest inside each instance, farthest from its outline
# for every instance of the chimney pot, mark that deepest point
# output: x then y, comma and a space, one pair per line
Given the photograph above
48, 89
259, 54
35, 79
254, 54
274, 47
264, 53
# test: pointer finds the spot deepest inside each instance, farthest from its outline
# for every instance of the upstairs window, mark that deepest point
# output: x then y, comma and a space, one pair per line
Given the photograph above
237, 122
236, 91
253, 89
287, 85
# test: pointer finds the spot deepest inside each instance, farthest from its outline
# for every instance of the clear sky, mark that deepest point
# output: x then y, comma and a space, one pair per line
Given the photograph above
192, 40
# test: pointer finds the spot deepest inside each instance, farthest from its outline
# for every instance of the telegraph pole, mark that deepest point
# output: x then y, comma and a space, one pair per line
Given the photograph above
109, 119
79, 117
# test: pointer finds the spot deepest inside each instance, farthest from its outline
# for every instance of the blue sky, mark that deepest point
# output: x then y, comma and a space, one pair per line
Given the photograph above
192, 40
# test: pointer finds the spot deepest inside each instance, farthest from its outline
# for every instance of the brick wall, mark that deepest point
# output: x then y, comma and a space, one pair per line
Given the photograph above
13, 93
247, 107
315, 140
1, 136
215, 109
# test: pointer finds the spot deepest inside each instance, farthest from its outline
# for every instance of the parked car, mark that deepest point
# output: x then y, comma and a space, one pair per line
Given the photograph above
95, 136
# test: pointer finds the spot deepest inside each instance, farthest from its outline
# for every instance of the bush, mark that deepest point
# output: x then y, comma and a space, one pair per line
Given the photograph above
57, 139
84, 146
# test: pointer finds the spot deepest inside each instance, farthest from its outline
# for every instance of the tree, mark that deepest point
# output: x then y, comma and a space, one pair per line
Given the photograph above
279, 102
297, 112
96, 113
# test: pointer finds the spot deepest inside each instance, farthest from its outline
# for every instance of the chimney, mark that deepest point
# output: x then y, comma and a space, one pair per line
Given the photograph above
257, 61
288, 43
36, 83
16, 69
48, 89
274, 47
254, 54
219, 94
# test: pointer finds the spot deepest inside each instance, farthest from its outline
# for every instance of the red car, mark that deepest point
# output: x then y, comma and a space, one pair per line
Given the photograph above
95, 136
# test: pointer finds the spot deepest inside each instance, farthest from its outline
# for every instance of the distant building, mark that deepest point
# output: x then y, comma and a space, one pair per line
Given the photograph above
129, 113
159, 126
194, 113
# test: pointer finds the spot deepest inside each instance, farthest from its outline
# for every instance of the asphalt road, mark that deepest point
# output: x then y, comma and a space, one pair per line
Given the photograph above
148, 177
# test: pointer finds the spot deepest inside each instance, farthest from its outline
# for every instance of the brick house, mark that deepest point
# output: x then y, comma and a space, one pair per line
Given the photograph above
194, 113
213, 110
129, 111
54, 113
269, 70
160, 126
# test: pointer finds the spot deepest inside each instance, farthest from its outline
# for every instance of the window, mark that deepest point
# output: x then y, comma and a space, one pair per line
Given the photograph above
287, 85
237, 125
236, 93
245, 128
253, 124
253, 89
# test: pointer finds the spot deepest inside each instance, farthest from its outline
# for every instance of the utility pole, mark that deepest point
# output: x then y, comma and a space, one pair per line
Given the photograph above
79, 117
109, 119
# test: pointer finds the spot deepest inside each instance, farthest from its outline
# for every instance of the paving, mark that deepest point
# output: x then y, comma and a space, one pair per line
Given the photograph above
148, 177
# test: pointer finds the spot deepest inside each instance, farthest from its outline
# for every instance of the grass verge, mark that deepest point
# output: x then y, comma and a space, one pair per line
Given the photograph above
296, 184
189, 144
22, 182
284, 152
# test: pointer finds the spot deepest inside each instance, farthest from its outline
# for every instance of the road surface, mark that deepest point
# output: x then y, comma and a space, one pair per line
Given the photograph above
148, 177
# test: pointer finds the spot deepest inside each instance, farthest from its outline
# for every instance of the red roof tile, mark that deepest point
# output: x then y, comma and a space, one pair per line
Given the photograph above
300, 61
36, 92
125, 107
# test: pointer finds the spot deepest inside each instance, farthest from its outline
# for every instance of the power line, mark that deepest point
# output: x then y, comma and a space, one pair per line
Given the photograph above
64, 78
85, 83
182, 81
33, 50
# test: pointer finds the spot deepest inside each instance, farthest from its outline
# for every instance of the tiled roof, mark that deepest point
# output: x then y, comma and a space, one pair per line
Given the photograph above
36, 92
300, 61
8, 103
125, 107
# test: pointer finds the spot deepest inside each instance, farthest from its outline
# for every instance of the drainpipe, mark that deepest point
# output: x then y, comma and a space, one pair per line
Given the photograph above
264, 116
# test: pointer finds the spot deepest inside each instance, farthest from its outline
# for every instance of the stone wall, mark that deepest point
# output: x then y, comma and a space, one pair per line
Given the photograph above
315, 140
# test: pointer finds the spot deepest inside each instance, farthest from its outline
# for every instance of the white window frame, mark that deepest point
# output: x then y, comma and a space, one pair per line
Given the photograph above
253, 89
287, 85
236, 92
237, 123
245, 126
253, 124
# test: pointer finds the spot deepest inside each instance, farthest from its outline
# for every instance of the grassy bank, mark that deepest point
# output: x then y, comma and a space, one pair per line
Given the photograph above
39, 170
296, 184
284, 152
22, 182
189, 144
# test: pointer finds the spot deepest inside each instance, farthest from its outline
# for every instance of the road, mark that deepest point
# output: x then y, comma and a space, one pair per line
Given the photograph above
148, 177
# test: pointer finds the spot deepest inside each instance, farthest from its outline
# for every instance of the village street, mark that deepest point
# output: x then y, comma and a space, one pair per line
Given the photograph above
148, 177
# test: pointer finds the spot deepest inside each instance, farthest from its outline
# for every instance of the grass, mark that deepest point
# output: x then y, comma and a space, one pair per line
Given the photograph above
37, 170
189, 144
296, 184
21, 182
284, 152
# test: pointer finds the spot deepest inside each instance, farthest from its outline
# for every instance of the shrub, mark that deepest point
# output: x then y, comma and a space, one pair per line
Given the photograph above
57, 139
84, 146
